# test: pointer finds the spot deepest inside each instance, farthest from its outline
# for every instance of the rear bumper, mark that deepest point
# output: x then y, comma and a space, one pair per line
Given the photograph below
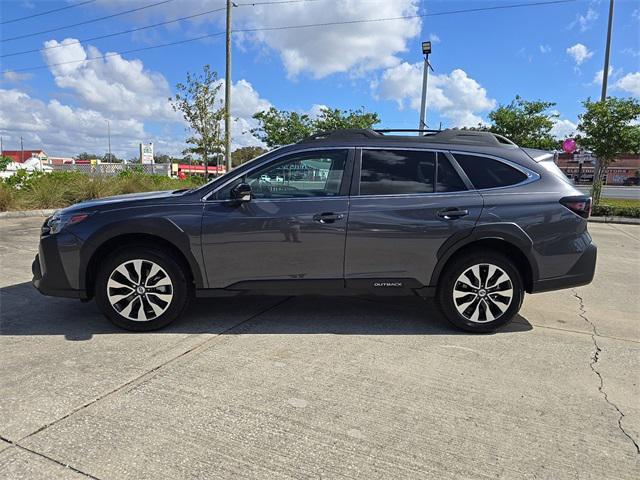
580, 274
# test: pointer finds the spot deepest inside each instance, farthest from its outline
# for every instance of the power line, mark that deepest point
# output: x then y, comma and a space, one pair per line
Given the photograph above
115, 34
46, 13
347, 22
86, 21
132, 30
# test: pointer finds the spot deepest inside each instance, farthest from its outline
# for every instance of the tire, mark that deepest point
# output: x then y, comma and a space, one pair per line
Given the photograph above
481, 291
141, 289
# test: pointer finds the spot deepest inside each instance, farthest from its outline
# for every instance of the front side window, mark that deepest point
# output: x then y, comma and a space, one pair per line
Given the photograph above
393, 172
488, 173
310, 174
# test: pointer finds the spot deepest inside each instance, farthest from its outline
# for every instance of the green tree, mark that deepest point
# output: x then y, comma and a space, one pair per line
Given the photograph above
609, 129
197, 101
87, 156
526, 123
111, 158
4, 162
280, 127
162, 158
334, 119
244, 154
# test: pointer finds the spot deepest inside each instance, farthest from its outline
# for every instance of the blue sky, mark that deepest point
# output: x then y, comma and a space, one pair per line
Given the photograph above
480, 60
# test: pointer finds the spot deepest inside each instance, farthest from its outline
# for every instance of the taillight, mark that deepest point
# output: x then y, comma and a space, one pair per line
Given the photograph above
580, 205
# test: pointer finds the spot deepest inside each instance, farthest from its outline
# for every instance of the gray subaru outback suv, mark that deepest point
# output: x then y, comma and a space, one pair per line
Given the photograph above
466, 217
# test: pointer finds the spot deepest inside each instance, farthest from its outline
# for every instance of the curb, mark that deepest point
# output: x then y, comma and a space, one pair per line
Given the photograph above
27, 213
620, 220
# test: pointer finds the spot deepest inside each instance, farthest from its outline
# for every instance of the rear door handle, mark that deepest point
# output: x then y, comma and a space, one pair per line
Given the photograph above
452, 213
327, 217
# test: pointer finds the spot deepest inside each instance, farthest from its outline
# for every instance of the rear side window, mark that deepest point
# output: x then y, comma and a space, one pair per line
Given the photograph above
448, 178
488, 173
389, 172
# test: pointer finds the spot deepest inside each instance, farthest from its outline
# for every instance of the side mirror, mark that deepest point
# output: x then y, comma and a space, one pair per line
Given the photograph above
241, 193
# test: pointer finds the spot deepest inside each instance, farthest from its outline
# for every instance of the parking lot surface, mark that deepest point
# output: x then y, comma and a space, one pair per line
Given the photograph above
322, 387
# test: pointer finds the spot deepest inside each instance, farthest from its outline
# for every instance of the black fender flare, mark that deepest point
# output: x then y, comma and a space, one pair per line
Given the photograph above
162, 228
505, 231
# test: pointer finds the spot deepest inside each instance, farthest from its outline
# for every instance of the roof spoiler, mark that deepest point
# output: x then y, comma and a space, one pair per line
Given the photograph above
541, 155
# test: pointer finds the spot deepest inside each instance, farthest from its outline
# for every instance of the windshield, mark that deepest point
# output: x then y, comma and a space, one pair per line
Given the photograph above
233, 171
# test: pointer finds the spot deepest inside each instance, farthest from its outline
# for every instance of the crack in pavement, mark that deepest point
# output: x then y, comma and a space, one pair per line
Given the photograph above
46, 457
594, 360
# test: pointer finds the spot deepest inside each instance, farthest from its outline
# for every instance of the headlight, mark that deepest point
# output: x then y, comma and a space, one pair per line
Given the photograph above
58, 221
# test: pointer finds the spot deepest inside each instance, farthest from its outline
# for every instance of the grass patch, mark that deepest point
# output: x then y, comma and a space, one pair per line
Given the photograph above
25, 191
617, 207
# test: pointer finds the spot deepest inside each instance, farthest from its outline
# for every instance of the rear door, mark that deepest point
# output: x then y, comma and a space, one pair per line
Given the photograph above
405, 204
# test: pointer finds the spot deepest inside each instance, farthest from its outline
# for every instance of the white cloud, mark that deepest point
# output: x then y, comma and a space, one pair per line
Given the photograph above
563, 128
434, 38
109, 84
318, 51
61, 129
579, 53
545, 48
325, 50
10, 76
629, 83
597, 78
455, 96
585, 20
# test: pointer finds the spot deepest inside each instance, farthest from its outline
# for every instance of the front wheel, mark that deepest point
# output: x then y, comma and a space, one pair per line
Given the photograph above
141, 289
481, 291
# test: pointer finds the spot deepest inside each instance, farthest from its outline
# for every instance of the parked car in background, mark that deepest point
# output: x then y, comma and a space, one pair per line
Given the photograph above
631, 181
466, 217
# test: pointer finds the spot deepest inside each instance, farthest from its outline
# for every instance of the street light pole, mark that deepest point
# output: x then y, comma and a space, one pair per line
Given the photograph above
426, 50
605, 72
227, 93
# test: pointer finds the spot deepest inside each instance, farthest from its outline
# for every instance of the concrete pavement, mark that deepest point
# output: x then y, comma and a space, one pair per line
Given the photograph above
322, 387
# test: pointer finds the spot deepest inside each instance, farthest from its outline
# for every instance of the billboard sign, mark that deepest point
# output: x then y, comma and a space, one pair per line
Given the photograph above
146, 153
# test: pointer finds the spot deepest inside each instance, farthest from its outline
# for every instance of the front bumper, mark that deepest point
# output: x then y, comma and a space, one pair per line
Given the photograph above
55, 268
580, 274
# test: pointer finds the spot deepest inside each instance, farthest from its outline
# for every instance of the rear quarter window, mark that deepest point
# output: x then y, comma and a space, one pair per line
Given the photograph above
488, 173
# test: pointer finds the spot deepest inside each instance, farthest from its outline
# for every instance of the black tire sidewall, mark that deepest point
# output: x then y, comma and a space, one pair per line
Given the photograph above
447, 283
181, 291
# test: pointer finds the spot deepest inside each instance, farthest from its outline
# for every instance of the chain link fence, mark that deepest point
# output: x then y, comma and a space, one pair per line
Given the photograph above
111, 169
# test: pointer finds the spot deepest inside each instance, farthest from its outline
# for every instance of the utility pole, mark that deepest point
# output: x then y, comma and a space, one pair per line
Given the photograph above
426, 50
227, 93
597, 181
109, 137
605, 71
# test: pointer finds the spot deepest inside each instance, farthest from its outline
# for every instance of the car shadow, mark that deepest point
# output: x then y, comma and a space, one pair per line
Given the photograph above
24, 311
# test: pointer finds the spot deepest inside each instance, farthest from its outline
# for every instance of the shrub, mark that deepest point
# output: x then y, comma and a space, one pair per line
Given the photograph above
7, 197
607, 210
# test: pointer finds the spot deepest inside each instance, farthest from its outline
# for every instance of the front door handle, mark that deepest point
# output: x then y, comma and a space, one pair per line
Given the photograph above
452, 213
327, 217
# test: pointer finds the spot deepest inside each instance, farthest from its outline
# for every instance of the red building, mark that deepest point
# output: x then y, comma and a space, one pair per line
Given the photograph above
580, 168
24, 155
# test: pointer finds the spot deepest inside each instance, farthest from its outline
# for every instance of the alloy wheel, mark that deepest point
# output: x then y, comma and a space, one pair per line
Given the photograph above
139, 290
482, 293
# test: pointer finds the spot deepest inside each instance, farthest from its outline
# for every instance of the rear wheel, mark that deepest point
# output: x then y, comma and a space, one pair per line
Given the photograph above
141, 289
481, 291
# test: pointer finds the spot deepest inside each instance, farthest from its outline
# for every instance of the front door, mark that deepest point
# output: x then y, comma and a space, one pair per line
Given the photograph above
407, 204
293, 228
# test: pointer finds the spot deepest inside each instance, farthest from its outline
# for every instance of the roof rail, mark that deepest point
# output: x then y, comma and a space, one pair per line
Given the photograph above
342, 134
475, 137
405, 130
451, 136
